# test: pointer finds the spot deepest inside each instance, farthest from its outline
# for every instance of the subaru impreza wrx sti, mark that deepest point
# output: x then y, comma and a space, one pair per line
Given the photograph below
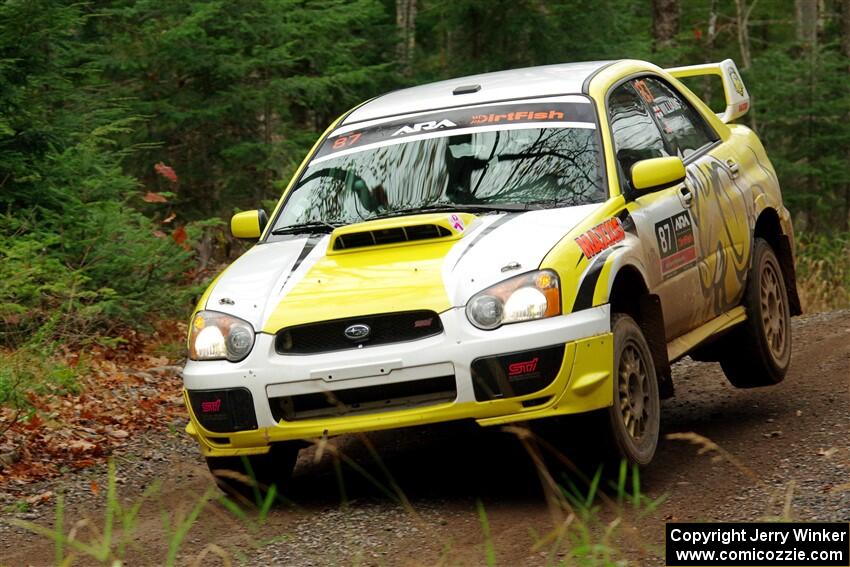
502, 247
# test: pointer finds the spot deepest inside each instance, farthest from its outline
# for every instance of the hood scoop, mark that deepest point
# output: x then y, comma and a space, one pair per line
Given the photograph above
399, 231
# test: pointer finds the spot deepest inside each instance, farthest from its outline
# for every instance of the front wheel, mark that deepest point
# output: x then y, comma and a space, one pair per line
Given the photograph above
253, 476
634, 420
758, 351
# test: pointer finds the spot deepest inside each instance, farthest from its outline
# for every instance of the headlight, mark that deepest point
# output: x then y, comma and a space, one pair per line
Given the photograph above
216, 336
535, 295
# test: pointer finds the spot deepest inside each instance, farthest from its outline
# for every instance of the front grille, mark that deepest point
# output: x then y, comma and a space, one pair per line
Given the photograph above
390, 236
387, 328
369, 399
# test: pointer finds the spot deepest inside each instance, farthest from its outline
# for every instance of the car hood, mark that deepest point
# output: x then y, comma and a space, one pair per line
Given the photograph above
305, 279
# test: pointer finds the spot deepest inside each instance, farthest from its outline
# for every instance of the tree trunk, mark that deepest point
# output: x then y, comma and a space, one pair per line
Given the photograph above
742, 17
806, 12
742, 13
807, 21
845, 50
709, 49
665, 22
405, 19
845, 31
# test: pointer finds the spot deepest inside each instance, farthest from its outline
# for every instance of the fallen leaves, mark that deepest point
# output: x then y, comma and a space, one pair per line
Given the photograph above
179, 235
151, 197
166, 172
81, 446
125, 391
36, 499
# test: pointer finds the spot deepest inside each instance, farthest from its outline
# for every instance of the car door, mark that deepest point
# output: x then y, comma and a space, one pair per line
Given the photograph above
719, 204
662, 218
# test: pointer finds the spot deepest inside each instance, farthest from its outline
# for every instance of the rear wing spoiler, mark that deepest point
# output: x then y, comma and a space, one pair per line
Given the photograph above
737, 96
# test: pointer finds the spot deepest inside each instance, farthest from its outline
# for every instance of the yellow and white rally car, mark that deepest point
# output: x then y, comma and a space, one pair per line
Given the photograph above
501, 247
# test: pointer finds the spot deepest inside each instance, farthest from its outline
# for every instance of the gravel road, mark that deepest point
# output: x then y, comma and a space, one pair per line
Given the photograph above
417, 502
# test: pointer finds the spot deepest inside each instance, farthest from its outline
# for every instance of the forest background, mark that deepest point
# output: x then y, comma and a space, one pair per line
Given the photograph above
131, 130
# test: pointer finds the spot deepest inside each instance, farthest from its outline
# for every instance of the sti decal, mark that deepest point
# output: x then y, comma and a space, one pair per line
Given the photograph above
676, 244
600, 237
525, 367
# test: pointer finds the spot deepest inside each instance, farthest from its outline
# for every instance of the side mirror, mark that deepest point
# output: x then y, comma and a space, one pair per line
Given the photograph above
249, 225
657, 173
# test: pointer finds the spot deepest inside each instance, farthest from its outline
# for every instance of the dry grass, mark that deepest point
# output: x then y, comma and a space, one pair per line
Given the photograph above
823, 272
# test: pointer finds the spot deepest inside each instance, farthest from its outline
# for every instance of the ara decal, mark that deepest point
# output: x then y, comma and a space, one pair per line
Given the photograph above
420, 126
600, 237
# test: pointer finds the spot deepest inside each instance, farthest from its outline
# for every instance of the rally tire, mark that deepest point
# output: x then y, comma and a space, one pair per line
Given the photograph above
757, 352
634, 419
251, 477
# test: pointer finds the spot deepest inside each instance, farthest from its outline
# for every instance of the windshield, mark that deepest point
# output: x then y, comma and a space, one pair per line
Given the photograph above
538, 157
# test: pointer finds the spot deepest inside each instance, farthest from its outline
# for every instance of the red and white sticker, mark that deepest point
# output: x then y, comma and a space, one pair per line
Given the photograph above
600, 237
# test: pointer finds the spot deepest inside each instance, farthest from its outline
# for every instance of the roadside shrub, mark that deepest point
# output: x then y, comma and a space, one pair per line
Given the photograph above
823, 271
89, 282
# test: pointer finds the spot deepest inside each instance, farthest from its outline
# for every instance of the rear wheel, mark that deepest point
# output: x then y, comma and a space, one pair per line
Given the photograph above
758, 352
634, 420
253, 476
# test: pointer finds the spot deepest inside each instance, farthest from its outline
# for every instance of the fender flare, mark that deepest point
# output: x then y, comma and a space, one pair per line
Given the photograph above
598, 286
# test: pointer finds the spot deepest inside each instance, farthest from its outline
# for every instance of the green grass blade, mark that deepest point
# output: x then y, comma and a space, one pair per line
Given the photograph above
489, 550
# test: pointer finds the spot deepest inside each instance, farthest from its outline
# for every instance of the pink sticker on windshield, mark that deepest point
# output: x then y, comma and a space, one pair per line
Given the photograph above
456, 222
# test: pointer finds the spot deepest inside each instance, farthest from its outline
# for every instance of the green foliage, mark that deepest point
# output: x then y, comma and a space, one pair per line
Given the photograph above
32, 371
472, 36
234, 97
76, 259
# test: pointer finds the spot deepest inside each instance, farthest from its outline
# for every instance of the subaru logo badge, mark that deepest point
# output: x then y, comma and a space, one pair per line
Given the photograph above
358, 332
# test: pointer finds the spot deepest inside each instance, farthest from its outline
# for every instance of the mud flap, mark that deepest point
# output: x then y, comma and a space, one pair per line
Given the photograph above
786, 262
652, 325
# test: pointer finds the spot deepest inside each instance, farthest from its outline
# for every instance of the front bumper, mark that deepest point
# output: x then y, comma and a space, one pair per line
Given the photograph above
582, 384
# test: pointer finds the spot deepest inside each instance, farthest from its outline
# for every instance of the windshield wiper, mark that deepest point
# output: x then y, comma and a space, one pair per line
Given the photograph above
312, 227
463, 207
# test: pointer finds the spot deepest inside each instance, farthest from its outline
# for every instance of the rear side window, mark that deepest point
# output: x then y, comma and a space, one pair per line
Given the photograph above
636, 135
681, 125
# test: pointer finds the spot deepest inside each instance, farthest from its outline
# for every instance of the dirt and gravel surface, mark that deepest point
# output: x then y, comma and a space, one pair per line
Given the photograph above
417, 502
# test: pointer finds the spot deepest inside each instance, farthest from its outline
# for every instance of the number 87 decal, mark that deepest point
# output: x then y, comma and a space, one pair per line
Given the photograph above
665, 237
345, 141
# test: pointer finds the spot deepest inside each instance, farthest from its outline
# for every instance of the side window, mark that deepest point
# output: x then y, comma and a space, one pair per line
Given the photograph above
636, 136
682, 126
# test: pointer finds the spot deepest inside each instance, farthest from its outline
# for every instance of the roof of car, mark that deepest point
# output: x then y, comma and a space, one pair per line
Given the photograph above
547, 80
